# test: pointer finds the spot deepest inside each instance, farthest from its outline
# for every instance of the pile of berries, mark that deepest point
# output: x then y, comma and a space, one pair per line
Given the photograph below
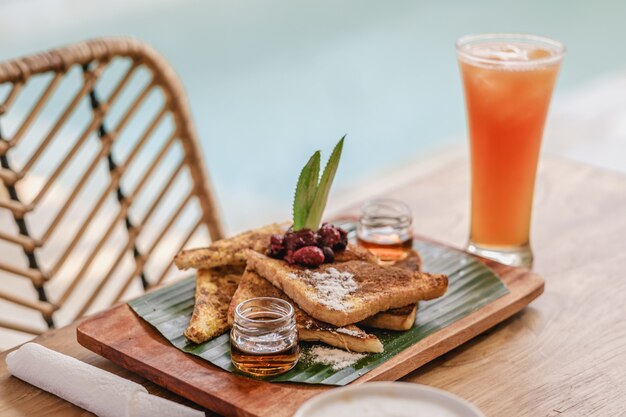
308, 248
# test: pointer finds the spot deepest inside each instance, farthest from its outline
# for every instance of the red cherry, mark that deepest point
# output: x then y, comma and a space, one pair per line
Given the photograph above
309, 256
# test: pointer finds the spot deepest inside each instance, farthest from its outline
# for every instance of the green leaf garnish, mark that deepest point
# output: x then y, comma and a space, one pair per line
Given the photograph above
310, 198
305, 191
323, 189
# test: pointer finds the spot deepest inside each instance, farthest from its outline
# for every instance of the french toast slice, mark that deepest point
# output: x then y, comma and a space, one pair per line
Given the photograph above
354, 253
412, 262
349, 337
343, 293
229, 251
401, 318
214, 290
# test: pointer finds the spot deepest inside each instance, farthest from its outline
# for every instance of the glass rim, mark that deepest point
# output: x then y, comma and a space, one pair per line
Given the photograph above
286, 306
555, 46
404, 214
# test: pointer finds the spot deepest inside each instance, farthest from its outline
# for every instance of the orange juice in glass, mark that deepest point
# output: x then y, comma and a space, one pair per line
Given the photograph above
508, 81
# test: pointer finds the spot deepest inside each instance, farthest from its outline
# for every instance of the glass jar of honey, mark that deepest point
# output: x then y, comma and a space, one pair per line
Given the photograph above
385, 228
264, 337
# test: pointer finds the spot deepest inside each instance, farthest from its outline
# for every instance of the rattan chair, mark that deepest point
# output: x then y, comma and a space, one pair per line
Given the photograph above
102, 180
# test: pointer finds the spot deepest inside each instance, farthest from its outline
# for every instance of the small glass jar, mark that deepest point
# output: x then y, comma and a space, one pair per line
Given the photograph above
264, 337
385, 228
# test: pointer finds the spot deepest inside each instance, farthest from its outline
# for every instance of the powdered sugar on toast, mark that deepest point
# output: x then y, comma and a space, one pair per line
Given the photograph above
336, 358
349, 332
331, 286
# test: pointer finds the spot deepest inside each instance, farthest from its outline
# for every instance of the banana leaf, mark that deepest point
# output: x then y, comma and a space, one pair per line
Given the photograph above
471, 286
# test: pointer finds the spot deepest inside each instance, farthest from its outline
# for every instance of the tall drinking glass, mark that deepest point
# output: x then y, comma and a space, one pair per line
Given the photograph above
508, 81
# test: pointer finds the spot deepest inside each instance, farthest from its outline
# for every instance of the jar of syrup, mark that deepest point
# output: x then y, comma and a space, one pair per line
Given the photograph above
385, 228
264, 337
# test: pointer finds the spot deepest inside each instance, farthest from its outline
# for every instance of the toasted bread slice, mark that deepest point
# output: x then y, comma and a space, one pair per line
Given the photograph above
230, 251
395, 319
214, 290
350, 337
401, 318
348, 292
412, 262
355, 253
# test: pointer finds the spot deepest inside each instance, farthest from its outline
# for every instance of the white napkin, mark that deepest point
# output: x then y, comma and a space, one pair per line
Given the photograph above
94, 389
146, 405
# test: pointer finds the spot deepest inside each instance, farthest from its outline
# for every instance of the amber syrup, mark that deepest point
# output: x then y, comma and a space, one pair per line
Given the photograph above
390, 249
265, 364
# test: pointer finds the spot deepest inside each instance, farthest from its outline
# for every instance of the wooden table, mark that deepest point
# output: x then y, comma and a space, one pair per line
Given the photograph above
565, 355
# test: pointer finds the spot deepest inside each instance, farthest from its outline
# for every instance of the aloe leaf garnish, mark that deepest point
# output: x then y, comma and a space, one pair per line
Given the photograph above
321, 195
311, 197
305, 191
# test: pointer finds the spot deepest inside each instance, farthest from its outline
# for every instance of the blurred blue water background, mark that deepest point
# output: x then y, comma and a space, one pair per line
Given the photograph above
271, 81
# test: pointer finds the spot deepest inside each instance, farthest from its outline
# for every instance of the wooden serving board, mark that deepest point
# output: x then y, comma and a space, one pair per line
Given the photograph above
121, 336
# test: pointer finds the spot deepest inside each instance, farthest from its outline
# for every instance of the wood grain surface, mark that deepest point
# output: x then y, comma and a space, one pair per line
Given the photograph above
562, 356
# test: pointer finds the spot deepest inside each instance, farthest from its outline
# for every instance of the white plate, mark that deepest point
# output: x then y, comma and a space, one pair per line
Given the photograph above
389, 399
